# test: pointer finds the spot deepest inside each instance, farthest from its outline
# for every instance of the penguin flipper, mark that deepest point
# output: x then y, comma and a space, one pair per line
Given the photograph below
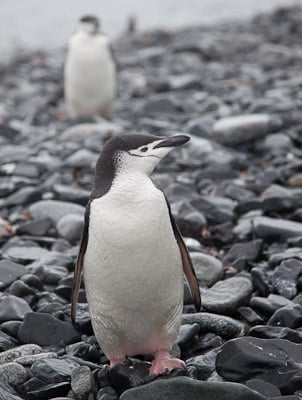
79, 265
186, 262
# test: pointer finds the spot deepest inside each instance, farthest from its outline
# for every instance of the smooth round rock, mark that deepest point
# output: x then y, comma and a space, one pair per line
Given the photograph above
20, 351
54, 209
70, 227
13, 373
13, 308
225, 297
208, 269
183, 388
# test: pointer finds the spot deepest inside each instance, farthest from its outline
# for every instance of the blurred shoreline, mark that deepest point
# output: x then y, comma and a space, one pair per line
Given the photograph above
35, 25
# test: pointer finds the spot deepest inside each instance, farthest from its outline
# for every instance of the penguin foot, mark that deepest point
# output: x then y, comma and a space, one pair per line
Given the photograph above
116, 361
163, 362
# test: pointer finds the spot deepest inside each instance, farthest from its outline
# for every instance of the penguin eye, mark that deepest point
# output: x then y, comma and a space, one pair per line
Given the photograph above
144, 149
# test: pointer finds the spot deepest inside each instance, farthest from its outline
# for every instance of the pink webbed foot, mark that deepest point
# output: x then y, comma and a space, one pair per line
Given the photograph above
163, 362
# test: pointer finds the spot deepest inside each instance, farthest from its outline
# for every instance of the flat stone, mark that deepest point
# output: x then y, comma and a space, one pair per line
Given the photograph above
221, 325
35, 228
14, 374
51, 391
276, 332
53, 370
240, 129
52, 331
13, 308
264, 388
208, 269
183, 388
268, 305
6, 341
9, 272
20, 351
274, 229
54, 209
28, 360
225, 297
276, 361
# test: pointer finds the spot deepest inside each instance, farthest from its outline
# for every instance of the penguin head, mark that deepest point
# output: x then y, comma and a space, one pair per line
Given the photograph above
89, 24
132, 154
143, 152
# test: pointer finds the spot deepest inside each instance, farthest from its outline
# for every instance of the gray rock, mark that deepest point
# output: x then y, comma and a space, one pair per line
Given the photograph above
277, 142
208, 269
28, 360
13, 373
285, 276
13, 308
20, 351
240, 129
225, 297
186, 388
53, 370
54, 209
70, 227
82, 382
276, 229
82, 131
51, 330
9, 272
223, 326
24, 252
204, 364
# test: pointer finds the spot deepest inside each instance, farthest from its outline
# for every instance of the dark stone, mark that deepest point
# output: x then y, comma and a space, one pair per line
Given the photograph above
241, 254
25, 195
273, 229
276, 361
250, 316
261, 280
267, 306
107, 393
9, 272
285, 277
51, 331
224, 326
186, 334
204, 364
35, 228
50, 391
289, 316
276, 332
11, 327
184, 388
21, 289
6, 342
225, 297
13, 308
264, 388
53, 370
123, 378
84, 350
214, 212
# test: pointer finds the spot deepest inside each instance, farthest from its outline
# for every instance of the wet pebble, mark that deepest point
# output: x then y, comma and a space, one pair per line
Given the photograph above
225, 297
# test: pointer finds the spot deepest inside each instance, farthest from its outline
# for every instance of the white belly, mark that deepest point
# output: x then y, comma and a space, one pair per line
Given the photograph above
89, 79
133, 276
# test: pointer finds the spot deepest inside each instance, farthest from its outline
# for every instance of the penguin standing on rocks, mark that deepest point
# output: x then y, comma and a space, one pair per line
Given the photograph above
133, 255
89, 72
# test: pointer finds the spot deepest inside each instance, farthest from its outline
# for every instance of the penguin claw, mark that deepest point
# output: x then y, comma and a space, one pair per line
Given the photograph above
163, 363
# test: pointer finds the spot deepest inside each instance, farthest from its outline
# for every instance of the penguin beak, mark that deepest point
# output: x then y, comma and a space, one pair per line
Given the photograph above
173, 141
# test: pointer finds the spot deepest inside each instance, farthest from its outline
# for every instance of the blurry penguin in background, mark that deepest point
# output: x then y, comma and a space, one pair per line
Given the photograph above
89, 72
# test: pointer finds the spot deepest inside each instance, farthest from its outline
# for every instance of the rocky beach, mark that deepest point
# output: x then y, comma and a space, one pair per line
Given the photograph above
235, 190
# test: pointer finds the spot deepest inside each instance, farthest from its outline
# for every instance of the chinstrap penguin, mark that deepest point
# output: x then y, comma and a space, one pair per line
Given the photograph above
133, 256
89, 72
